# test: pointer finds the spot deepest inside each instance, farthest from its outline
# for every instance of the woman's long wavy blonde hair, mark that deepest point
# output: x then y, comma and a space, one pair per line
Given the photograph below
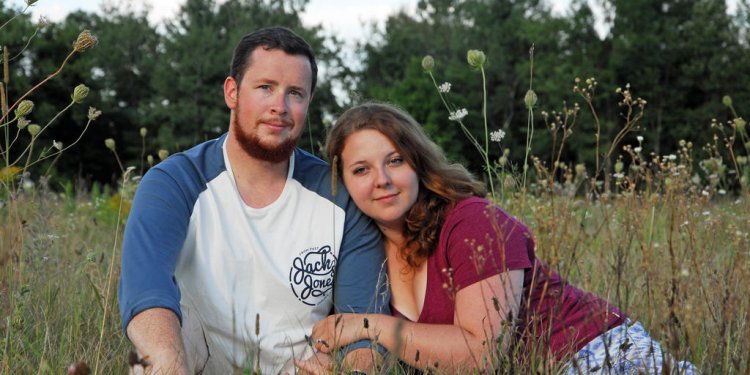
441, 183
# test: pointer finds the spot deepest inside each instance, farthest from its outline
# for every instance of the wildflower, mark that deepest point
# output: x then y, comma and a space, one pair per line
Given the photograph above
684, 272
445, 87
79, 93
34, 129
458, 115
84, 41
150, 160
24, 108
530, 99
428, 63
619, 176
94, 113
672, 157
705, 193
497, 135
57, 145
475, 58
639, 138
502, 161
722, 192
144, 131
727, 100
110, 143
637, 150
163, 154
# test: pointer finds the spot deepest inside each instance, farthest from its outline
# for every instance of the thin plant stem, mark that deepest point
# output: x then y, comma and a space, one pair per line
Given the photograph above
486, 133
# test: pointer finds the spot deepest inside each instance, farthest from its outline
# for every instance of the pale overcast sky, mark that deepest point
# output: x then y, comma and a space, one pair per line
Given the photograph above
342, 17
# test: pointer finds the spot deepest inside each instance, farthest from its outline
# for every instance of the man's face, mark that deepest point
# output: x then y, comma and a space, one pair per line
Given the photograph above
270, 105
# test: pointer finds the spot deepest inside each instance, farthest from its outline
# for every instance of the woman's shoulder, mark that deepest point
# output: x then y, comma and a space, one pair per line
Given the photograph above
479, 212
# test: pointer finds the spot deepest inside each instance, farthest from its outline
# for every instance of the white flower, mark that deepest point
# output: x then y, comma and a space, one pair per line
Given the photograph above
639, 138
672, 157
57, 145
497, 135
445, 87
619, 176
722, 191
458, 115
705, 193
637, 150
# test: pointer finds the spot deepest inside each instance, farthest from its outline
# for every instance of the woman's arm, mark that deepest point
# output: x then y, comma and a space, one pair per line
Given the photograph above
481, 309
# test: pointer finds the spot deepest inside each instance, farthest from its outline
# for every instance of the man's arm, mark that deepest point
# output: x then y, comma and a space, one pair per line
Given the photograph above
157, 336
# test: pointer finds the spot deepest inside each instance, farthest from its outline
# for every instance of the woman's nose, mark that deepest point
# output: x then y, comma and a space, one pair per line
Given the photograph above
383, 178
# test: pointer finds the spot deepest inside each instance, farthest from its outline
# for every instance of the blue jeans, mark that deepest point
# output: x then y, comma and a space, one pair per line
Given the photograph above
630, 351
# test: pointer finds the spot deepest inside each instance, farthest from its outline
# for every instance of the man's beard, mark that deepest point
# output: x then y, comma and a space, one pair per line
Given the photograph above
253, 146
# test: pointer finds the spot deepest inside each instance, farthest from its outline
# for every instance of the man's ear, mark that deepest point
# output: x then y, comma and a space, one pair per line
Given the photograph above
230, 92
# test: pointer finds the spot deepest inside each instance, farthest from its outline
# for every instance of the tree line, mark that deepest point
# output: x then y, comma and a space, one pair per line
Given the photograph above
681, 56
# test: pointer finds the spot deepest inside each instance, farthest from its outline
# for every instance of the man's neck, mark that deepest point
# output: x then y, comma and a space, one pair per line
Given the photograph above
259, 182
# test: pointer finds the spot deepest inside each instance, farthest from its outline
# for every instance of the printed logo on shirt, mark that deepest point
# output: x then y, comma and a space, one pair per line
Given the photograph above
311, 275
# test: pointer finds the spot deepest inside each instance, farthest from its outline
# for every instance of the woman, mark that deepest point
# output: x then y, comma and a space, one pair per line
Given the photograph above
466, 284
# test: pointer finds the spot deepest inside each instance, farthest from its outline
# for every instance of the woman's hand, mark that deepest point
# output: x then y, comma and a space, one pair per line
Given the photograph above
339, 330
318, 364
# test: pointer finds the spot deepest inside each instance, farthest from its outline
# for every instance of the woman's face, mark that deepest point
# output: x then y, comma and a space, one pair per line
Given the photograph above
380, 182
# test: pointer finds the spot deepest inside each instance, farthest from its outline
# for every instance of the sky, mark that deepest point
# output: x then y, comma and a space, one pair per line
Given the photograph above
342, 17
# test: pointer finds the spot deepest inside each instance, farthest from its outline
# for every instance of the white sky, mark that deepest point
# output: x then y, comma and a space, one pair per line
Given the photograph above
342, 17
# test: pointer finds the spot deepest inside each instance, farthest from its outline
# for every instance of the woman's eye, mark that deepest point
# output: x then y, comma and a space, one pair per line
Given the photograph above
358, 170
396, 161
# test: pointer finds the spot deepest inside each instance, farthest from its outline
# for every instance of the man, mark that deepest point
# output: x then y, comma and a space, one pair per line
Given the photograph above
236, 247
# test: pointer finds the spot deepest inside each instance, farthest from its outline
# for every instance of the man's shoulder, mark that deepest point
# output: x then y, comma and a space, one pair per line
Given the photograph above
203, 161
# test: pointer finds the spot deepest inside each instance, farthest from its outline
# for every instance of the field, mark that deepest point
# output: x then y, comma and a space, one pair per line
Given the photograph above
677, 261
664, 237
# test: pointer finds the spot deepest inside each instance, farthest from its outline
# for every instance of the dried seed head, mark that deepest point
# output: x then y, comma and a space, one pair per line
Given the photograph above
23, 122
150, 160
34, 129
79, 93
94, 113
475, 58
84, 41
727, 100
530, 99
739, 124
144, 131
619, 166
110, 143
428, 63
163, 154
24, 108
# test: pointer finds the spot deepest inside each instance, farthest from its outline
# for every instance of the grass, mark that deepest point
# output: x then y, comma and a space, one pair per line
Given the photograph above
676, 261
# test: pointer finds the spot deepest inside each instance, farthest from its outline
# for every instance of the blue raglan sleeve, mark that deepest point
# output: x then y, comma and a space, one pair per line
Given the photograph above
154, 235
361, 283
